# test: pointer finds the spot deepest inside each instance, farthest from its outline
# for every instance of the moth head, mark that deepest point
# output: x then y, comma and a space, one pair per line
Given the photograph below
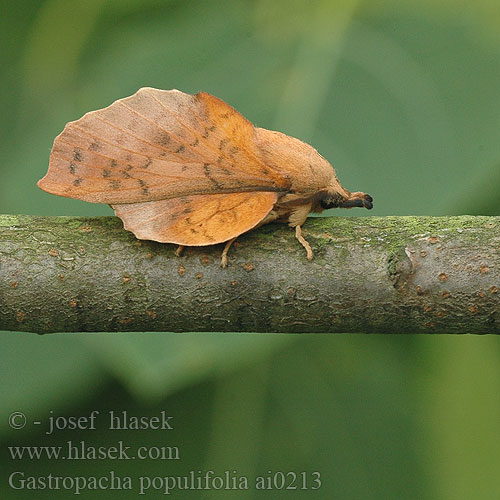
334, 199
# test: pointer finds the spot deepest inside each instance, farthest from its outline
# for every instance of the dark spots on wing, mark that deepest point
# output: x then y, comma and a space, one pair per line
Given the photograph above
106, 173
114, 184
265, 170
225, 115
144, 186
226, 171
195, 143
77, 182
148, 162
180, 149
95, 146
193, 230
187, 210
125, 174
223, 143
220, 159
72, 168
128, 157
208, 173
233, 151
206, 133
77, 154
184, 168
163, 139
113, 163
212, 128
128, 168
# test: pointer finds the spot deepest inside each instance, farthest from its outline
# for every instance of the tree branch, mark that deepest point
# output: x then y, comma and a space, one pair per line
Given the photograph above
373, 274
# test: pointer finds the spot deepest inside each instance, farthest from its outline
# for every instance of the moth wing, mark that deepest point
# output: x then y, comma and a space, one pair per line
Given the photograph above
158, 144
306, 169
196, 220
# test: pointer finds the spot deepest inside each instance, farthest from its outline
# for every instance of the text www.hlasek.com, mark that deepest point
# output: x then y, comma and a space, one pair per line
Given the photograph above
79, 450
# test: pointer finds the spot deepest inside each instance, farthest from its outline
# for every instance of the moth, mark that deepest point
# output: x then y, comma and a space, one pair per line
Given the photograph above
191, 170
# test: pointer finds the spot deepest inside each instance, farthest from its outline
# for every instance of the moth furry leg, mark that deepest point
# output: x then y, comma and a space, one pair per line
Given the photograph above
270, 217
179, 250
303, 242
223, 258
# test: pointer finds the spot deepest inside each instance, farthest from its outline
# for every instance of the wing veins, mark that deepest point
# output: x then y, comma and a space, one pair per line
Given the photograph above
165, 130
247, 189
128, 132
112, 144
55, 153
226, 209
176, 116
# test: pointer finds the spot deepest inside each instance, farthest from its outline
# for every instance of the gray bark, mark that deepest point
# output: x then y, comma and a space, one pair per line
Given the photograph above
369, 275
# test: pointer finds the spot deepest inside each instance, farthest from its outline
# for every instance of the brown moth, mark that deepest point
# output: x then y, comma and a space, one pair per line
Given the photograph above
191, 170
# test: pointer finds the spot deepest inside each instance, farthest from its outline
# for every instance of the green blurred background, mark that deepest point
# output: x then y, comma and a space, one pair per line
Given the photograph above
403, 97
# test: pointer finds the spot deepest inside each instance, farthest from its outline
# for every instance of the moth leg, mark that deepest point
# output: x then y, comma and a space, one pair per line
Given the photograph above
223, 258
303, 242
179, 250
